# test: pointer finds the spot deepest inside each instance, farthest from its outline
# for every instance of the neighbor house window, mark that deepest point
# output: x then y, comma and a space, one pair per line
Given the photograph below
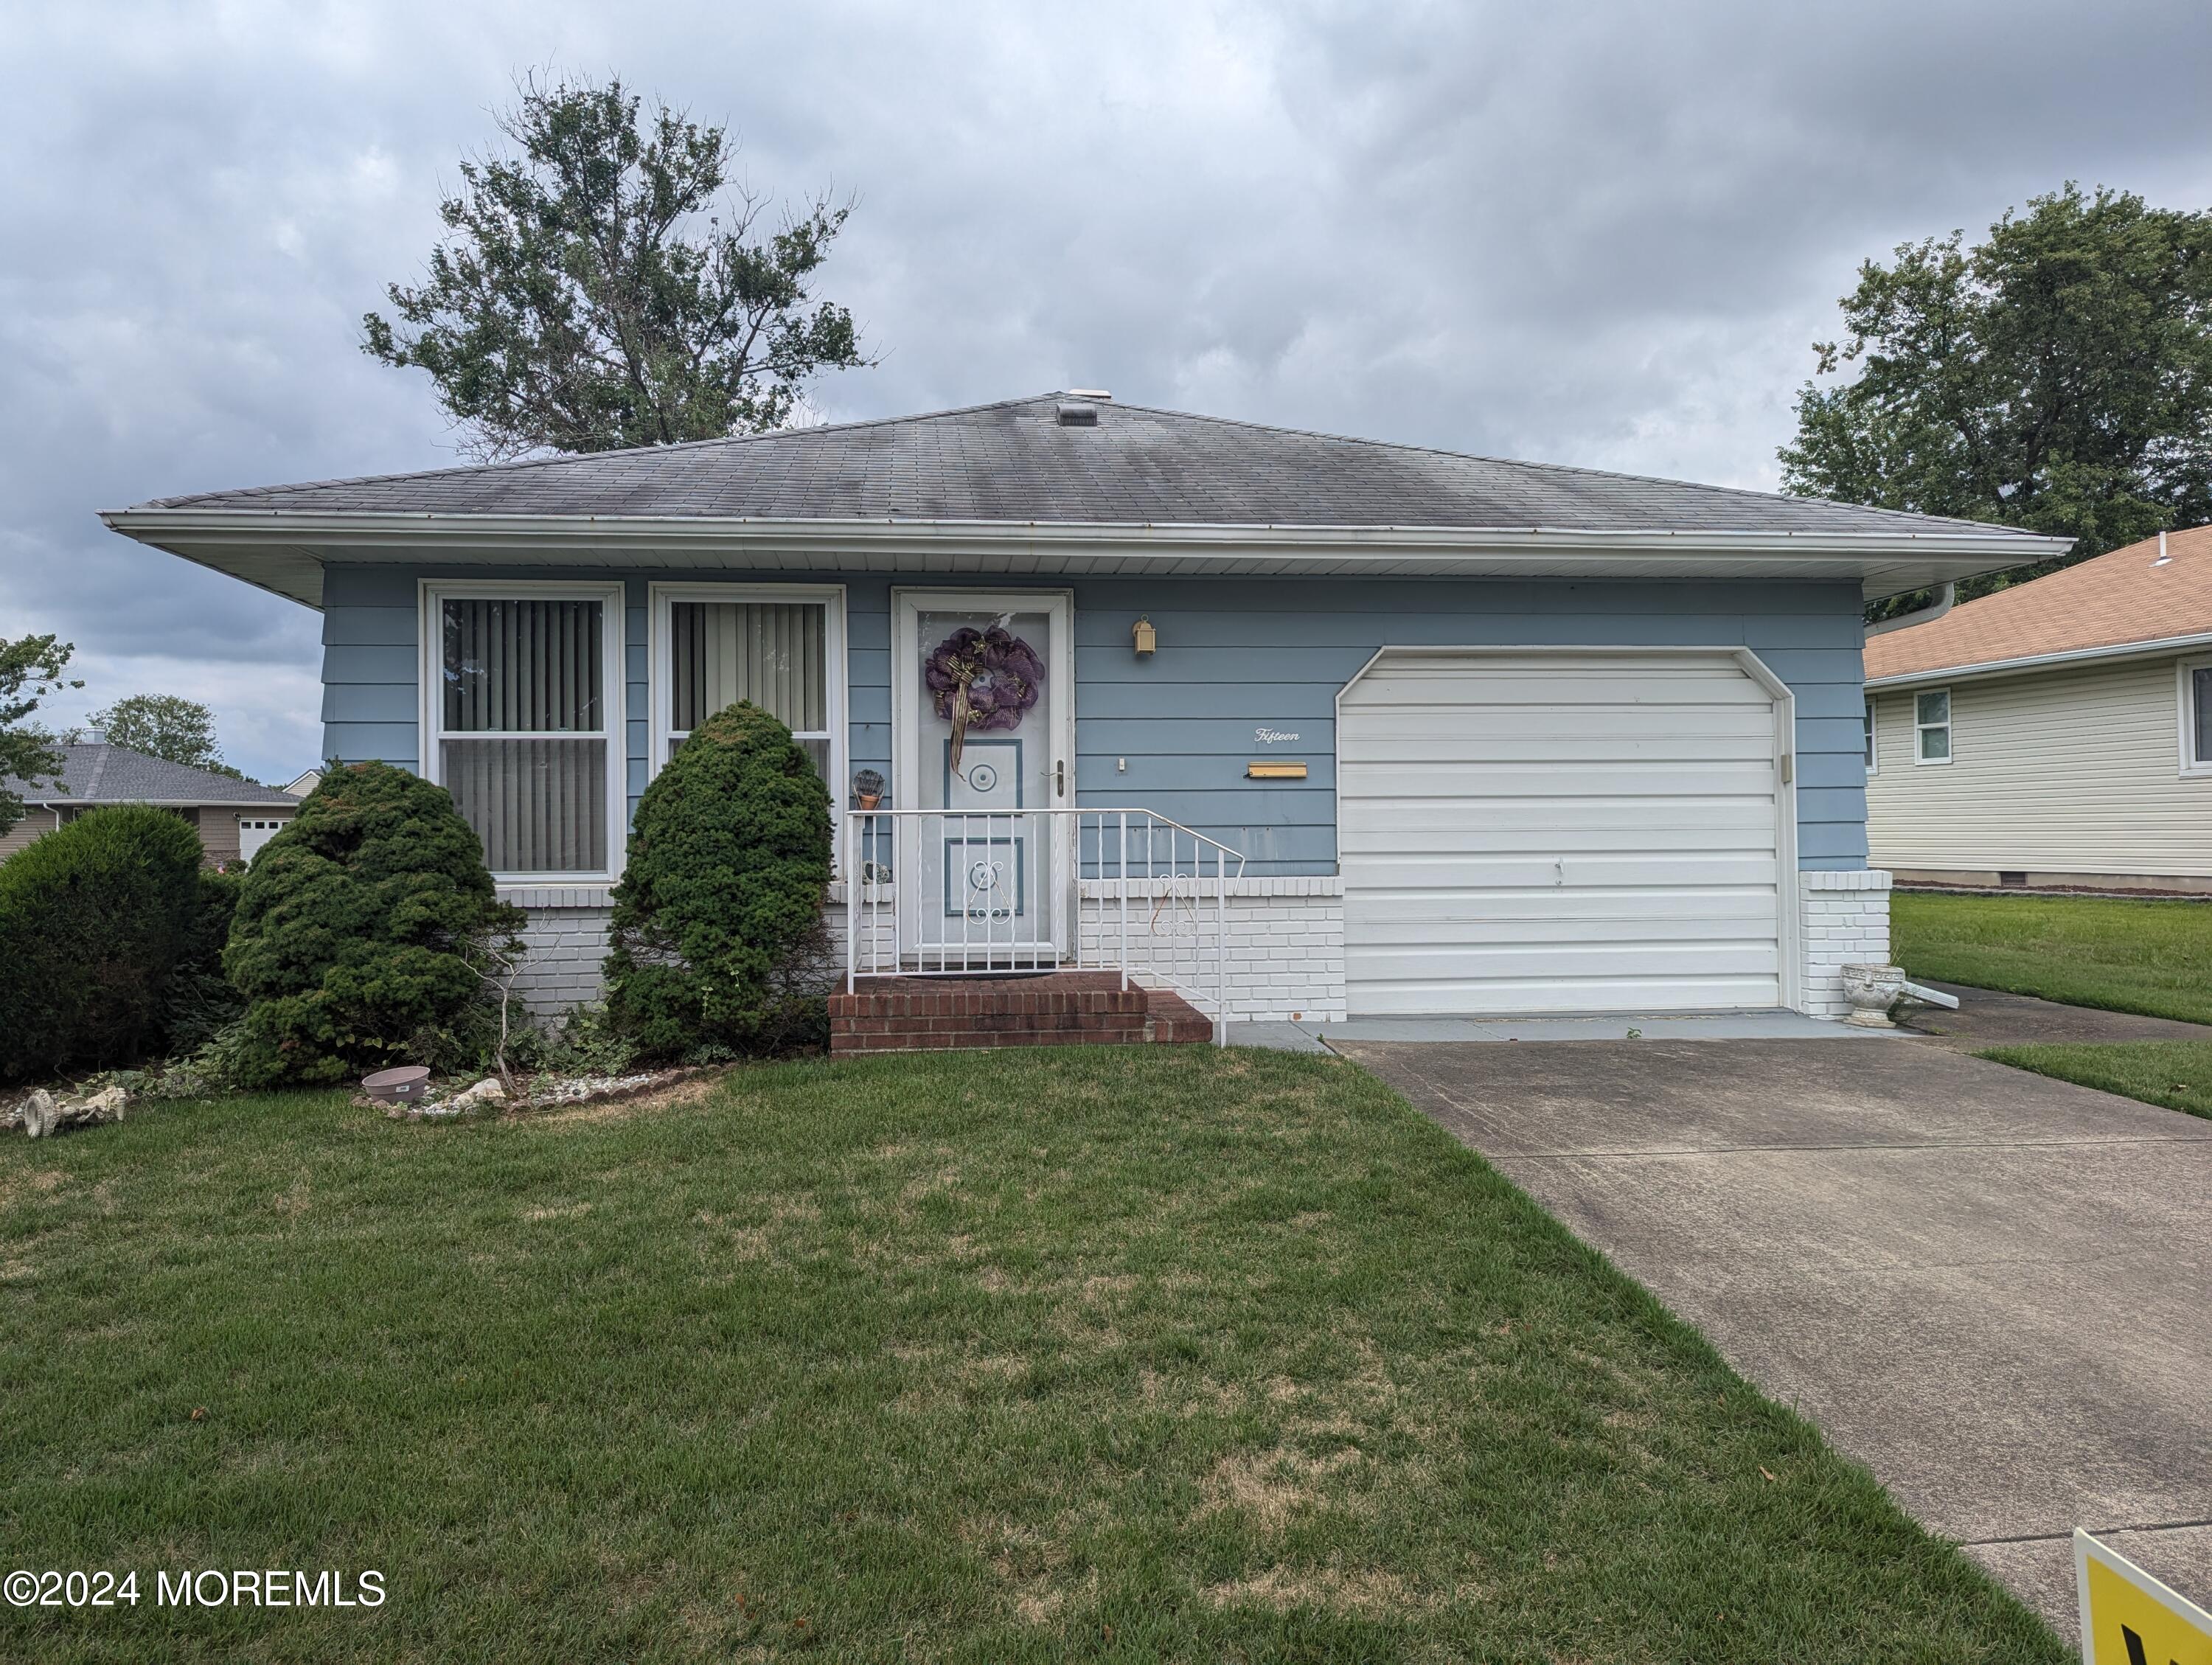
1931, 724
524, 720
781, 647
1870, 763
2197, 717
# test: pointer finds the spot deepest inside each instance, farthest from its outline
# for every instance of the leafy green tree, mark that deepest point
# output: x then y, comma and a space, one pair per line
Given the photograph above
2058, 377
580, 305
30, 669
165, 726
717, 937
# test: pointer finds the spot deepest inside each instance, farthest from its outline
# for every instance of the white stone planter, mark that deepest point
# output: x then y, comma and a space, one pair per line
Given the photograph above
1872, 990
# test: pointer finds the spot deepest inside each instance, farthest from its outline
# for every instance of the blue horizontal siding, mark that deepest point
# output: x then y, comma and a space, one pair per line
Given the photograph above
1235, 655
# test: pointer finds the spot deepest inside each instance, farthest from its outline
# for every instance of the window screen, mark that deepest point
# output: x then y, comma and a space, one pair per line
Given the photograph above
523, 743
771, 653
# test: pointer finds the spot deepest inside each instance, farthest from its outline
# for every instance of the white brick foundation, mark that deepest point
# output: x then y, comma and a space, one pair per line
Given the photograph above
1286, 940
564, 938
1846, 922
1285, 955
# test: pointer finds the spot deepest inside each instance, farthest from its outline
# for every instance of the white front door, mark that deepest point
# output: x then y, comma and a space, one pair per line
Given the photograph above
985, 879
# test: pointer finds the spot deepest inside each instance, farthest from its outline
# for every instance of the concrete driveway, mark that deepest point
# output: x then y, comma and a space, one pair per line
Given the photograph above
1993, 1289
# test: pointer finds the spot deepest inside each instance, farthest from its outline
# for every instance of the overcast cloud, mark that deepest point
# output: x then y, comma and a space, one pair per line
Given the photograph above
1591, 234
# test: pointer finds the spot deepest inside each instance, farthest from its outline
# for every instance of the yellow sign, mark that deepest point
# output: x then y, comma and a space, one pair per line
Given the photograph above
2128, 1618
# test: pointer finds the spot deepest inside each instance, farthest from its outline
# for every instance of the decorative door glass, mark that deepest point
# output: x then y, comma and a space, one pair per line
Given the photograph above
985, 755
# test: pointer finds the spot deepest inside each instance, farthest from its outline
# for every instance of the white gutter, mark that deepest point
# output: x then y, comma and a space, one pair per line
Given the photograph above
2118, 650
420, 531
1924, 616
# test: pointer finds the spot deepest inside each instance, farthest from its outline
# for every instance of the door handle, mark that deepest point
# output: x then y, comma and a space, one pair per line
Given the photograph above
1059, 777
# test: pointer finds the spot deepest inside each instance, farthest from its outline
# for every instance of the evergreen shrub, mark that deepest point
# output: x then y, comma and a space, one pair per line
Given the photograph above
95, 919
367, 934
718, 945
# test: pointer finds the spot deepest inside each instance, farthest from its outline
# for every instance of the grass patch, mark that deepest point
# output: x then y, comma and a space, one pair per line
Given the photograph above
2115, 953
1113, 1354
2176, 1075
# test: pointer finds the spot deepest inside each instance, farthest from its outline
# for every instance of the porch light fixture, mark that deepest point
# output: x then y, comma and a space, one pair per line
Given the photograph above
1143, 638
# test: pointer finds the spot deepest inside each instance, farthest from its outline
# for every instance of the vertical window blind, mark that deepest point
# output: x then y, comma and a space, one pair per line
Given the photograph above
523, 746
773, 653
2200, 681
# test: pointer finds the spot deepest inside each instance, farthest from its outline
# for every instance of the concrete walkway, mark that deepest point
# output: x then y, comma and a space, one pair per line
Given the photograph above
1772, 1025
1988, 1018
1988, 1286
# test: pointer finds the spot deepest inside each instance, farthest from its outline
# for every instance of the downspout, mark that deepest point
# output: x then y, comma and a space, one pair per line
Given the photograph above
1925, 616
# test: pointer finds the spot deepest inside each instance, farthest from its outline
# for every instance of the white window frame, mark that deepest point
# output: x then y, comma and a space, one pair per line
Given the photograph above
2192, 766
1871, 720
613, 680
661, 599
1949, 726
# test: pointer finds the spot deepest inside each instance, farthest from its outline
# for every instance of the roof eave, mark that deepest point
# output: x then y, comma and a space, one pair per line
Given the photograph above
282, 550
2029, 664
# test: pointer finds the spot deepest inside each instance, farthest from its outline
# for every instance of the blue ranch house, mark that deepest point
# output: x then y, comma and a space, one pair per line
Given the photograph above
1300, 725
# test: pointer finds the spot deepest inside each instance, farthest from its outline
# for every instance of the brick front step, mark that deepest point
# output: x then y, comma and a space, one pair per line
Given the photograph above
1061, 1008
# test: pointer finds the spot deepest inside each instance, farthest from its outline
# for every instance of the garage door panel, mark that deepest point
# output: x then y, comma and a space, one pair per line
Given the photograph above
1371, 846
1567, 677
1753, 899
1539, 833
1630, 723
1444, 826
1536, 995
1559, 874
1445, 930
1568, 778
1744, 957
1481, 750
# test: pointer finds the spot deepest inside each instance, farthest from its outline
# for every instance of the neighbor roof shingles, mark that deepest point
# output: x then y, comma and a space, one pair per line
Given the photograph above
1014, 462
2116, 599
100, 774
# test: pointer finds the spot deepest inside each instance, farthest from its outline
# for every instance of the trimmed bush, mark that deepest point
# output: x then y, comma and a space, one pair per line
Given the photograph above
361, 932
95, 918
201, 999
719, 946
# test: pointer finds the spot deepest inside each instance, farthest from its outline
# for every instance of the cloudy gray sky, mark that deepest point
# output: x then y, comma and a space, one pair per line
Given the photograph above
1601, 234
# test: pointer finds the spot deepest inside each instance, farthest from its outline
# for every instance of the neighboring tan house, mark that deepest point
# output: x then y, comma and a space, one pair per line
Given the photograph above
1347, 726
2056, 733
234, 818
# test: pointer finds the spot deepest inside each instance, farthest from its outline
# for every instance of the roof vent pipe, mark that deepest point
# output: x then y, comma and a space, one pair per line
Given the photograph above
1925, 616
2163, 558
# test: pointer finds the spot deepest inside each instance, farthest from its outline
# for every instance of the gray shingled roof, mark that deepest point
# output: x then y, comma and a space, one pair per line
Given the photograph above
101, 774
1016, 462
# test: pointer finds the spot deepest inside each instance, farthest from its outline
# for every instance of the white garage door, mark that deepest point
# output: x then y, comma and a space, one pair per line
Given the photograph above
1570, 832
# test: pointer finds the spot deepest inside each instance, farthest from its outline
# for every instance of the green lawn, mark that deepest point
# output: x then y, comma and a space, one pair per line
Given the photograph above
2121, 955
1130, 1355
2175, 1073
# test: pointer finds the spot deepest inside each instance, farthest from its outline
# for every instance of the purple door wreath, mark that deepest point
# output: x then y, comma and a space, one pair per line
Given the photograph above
982, 679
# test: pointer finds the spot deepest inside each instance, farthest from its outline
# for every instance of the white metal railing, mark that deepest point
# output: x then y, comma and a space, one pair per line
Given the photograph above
955, 893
